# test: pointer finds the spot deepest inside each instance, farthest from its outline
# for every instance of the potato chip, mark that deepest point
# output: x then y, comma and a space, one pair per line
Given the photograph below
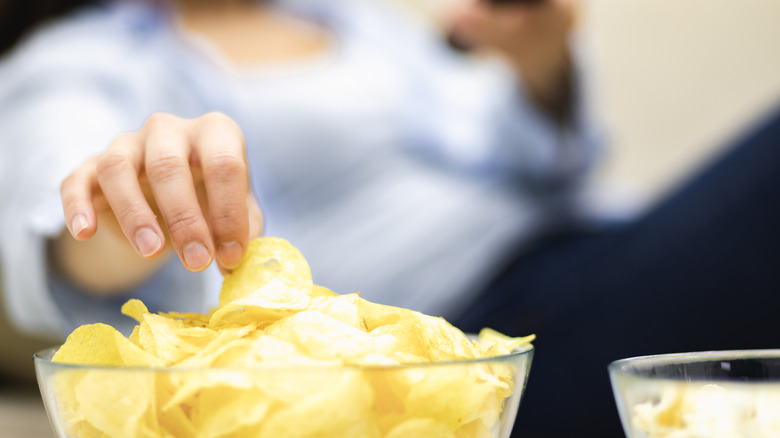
132, 395
476, 429
498, 344
402, 343
320, 291
266, 260
101, 344
336, 404
375, 315
191, 319
211, 353
343, 308
169, 339
421, 428
282, 357
441, 392
266, 304
226, 409
323, 337
443, 341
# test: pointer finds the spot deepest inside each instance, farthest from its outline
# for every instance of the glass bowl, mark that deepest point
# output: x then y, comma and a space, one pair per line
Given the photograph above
469, 398
714, 394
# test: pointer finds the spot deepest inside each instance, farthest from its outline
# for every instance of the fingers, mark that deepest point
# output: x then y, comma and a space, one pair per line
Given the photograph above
117, 173
167, 167
218, 225
194, 172
76, 192
221, 153
256, 221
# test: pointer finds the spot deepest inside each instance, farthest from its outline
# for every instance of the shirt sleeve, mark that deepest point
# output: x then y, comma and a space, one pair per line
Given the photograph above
50, 122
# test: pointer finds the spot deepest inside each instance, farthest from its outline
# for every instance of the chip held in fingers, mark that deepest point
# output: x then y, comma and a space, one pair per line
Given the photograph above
283, 357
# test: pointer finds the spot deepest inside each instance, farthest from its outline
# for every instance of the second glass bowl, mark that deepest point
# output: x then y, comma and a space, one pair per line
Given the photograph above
716, 394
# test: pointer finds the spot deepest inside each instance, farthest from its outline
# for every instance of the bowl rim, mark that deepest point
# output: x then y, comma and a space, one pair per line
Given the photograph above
631, 365
43, 357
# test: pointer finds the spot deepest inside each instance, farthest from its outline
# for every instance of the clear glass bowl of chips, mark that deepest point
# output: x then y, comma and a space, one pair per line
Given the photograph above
714, 394
463, 398
283, 357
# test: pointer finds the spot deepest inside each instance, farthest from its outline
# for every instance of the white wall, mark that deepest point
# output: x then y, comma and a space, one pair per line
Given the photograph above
679, 77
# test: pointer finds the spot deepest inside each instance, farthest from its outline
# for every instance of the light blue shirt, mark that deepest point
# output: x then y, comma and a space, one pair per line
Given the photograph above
399, 169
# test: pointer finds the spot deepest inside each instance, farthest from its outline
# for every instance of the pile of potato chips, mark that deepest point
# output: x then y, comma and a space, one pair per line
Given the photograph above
282, 357
691, 409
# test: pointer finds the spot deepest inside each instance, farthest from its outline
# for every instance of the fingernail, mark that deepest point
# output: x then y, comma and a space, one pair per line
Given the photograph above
230, 253
196, 256
147, 241
78, 224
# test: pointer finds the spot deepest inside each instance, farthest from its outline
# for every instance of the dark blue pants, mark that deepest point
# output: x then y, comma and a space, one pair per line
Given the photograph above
700, 271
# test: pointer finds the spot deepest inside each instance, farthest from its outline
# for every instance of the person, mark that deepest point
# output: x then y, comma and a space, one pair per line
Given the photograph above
400, 169
422, 218
364, 136
363, 133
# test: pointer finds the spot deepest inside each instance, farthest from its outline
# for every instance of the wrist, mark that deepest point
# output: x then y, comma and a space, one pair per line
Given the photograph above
549, 83
104, 265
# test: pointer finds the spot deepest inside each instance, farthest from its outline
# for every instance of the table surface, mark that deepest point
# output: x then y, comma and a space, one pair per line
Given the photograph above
22, 414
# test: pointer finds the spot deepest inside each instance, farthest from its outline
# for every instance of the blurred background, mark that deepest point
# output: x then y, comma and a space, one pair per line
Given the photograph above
673, 82
676, 80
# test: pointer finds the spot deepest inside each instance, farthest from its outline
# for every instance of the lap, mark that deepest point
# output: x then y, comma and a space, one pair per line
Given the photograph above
698, 272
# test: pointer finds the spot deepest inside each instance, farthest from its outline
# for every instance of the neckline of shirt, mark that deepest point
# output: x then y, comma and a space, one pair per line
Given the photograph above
210, 53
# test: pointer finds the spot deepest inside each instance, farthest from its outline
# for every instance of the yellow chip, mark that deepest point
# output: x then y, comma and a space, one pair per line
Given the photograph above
211, 352
444, 342
119, 404
191, 319
343, 308
135, 309
101, 344
336, 403
169, 339
266, 304
421, 428
319, 291
323, 337
402, 342
375, 315
477, 429
454, 395
229, 410
318, 351
267, 259
497, 344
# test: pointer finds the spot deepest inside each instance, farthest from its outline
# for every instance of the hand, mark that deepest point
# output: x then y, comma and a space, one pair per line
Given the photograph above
532, 37
191, 173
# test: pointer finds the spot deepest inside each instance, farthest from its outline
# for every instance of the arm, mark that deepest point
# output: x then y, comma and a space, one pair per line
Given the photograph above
532, 37
59, 106
45, 131
475, 114
49, 128
103, 263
